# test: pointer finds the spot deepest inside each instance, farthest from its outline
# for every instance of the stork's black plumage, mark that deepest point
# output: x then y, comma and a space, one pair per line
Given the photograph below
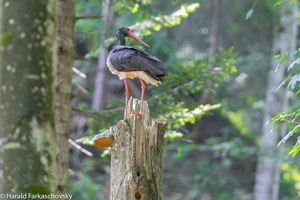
129, 59
130, 62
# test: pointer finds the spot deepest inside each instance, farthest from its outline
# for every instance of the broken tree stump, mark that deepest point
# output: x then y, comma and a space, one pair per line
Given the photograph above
136, 155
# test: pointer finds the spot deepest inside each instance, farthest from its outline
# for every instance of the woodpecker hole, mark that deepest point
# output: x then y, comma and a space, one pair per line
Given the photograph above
138, 195
60, 187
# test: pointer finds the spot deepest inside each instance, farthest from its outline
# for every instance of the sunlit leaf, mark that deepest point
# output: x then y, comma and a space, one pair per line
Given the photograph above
233, 70
274, 128
249, 13
277, 3
135, 8
295, 150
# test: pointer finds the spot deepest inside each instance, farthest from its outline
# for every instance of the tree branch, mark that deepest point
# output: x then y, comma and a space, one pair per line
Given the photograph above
80, 148
87, 17
93, 114
83, 59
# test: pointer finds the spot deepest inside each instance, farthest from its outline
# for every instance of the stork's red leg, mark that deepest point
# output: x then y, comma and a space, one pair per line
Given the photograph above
142, 99
126, 94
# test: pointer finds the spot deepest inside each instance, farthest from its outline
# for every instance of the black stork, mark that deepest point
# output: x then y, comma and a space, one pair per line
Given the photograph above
130, 62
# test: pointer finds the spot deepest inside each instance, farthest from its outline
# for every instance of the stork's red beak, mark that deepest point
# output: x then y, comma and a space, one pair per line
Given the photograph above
130, 34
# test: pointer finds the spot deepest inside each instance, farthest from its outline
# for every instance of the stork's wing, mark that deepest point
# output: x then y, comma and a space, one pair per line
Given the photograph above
127, 59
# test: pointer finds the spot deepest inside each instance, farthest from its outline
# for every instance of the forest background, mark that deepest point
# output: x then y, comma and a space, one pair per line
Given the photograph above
230, 94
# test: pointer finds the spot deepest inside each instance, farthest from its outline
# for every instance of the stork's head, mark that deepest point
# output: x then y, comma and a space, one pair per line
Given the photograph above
127, 32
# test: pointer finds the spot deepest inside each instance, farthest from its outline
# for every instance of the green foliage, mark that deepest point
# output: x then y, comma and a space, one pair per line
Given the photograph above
84, 187
236, 118
213, 174
279, 2
290, 181
157, 22
181, 116
175, 98
235, 148
146, 26
223, 159
290, 118
132, 5
173, 136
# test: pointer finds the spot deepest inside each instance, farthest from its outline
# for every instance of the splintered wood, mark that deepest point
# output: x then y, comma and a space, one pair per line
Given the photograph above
136, 155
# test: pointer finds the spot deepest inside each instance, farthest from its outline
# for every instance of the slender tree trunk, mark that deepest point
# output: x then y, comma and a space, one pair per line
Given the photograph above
136, 155
99, 99
215, 26
27, 72
65, 26
268, 166
276, 183
213, 40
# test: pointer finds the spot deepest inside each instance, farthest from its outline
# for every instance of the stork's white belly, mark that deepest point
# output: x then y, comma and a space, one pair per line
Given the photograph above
132, 75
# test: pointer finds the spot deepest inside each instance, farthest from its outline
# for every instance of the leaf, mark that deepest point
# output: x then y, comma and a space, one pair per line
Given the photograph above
297, 61
274, 128
283, 59
192, 7
277, 3
292, 1
184, 116
249, 13
293, 81
135, 8
233, 70
157, 27
296, 128
295, 150
173, 136
285, 138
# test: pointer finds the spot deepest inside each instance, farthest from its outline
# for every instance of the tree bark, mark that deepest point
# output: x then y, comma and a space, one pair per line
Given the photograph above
213, 40
276, 182
27, 74
65, 26
215, 26
99, 99
136, 156
269, 160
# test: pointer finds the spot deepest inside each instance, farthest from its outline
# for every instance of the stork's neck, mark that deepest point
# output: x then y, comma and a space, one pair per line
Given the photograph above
121, 39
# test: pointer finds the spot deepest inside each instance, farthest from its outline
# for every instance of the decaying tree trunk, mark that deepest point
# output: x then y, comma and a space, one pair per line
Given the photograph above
27, 74
65, 26
136, 155
268, 165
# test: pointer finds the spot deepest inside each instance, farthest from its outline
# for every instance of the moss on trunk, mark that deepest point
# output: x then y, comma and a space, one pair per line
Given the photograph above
27, 71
